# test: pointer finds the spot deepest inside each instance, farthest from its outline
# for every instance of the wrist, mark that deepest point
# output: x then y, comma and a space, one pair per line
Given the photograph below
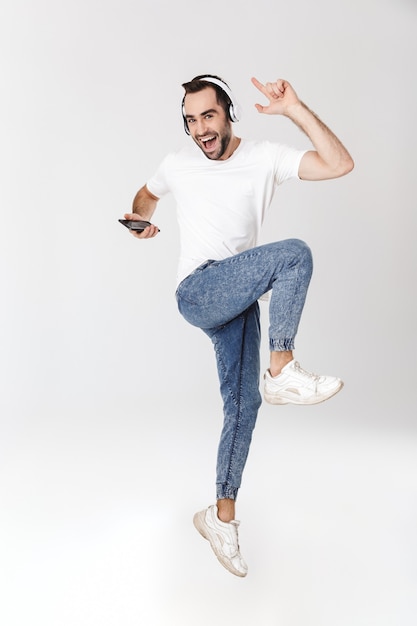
296, 110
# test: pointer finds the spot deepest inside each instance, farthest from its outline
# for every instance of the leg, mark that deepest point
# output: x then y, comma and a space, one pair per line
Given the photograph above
236, 346
218, 291
287, 301
285, 381
237, 351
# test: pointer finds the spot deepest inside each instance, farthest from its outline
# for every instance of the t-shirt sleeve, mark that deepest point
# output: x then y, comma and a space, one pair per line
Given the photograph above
287, 162
158, 183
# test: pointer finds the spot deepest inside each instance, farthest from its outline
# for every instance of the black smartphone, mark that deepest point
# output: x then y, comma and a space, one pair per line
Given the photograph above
137, 225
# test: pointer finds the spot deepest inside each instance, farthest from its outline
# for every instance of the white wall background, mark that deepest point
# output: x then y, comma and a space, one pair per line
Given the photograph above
110, 413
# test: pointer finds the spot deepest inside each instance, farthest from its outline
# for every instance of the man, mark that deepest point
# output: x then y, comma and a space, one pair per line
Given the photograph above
223, 185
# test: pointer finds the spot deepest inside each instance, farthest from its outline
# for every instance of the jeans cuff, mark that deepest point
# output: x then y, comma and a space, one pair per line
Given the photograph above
226, 491
281, 345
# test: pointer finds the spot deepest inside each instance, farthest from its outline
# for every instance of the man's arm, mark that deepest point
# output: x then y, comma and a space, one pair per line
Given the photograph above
144, 205
330, 159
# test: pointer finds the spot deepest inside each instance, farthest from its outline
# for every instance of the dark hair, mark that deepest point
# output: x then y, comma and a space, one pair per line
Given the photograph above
197, 84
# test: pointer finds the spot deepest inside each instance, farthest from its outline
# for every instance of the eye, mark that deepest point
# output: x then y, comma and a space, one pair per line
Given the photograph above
208, 116
190, 120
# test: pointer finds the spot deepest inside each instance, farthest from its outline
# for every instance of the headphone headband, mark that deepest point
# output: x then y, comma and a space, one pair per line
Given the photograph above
234, 108
222, 86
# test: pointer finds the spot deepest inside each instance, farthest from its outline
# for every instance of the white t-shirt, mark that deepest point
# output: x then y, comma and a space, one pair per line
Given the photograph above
221, 204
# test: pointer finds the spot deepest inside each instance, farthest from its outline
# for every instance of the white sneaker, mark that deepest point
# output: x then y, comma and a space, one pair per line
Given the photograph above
223, 539
294, 385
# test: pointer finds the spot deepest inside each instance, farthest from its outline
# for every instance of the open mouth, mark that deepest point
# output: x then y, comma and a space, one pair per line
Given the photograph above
209, 142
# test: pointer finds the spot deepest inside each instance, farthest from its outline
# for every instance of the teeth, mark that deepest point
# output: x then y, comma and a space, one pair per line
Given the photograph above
207, 139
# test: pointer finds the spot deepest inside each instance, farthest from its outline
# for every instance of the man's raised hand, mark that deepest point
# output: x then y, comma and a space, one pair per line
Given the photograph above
280, 95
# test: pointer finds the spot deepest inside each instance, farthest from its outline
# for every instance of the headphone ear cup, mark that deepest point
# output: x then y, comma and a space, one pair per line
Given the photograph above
234, 112
187, 130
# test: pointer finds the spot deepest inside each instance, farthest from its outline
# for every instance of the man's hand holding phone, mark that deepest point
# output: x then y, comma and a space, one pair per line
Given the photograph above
140, 228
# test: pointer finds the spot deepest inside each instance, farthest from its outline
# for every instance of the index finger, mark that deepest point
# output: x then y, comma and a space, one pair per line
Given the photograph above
259, 85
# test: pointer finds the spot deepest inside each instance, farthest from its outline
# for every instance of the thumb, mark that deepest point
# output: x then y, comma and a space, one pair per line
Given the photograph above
260, 108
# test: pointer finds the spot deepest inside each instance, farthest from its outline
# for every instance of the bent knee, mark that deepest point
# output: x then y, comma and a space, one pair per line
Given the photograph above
299, 245
301, 250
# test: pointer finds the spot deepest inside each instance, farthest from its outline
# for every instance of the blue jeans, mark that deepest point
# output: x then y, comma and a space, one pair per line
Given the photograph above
221, 298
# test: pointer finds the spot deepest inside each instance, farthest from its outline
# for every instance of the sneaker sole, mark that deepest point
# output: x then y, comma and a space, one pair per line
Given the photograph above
199, 523
273, 399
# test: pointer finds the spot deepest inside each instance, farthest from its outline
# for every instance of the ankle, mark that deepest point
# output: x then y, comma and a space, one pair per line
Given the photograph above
226, 510
278, 361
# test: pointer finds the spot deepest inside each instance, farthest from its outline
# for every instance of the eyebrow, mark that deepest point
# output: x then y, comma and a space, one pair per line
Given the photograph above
203, 113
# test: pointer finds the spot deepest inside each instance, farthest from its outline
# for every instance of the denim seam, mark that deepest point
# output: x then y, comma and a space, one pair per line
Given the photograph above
242, 257
283, 341
237, 403
232, 395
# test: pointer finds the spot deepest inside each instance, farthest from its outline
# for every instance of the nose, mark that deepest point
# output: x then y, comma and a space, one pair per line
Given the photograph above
201, 127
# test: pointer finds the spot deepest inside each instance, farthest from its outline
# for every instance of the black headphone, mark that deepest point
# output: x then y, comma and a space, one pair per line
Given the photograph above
234, 108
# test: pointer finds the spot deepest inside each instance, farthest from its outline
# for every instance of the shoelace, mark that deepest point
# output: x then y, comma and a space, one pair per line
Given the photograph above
304, 372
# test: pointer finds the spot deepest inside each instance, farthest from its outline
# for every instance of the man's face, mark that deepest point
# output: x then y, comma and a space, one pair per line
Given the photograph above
208, 124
